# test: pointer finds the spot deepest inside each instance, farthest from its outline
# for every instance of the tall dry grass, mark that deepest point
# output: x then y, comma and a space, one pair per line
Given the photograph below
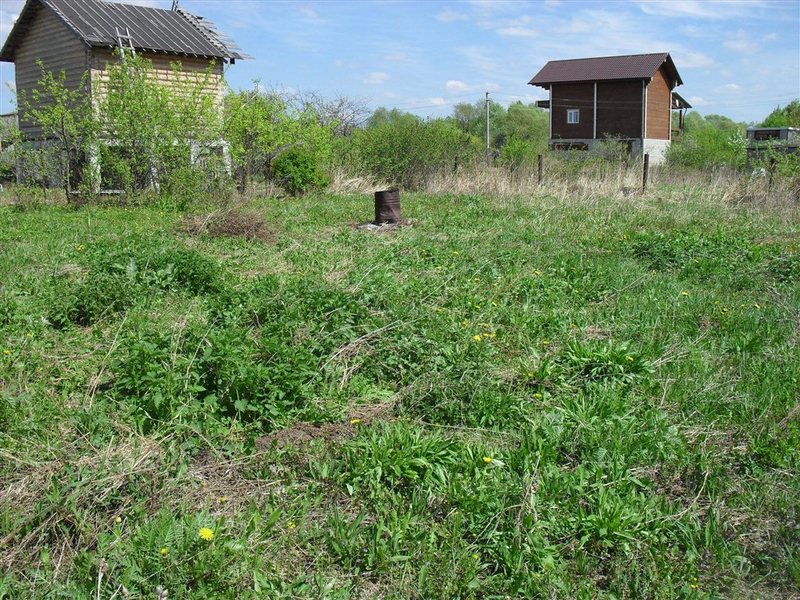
568, 181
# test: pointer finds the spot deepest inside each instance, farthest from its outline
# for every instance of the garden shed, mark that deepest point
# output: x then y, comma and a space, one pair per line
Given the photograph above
629, 98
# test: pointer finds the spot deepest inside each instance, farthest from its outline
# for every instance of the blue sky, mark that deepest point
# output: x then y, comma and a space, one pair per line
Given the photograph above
737, 58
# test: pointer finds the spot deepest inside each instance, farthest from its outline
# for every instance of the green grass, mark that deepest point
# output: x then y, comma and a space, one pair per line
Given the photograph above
511, 398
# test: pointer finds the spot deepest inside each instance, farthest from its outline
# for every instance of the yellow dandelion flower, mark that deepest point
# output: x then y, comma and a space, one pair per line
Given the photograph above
118, 520
538, 396
355, 421
222, 499
629, 358
477, 338
164, 552
684, 293
487, 459
757, 306
291, 525
7, 352
545, 342
206, 534
475, 557
537, 272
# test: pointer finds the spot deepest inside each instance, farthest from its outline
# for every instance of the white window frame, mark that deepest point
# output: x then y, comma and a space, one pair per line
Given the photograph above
573, 113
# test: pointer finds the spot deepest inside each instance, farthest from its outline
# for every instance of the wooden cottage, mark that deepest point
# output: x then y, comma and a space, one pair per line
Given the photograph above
80, 36
629, 98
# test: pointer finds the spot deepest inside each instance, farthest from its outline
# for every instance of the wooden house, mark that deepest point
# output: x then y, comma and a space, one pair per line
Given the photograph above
80, 37
628, 98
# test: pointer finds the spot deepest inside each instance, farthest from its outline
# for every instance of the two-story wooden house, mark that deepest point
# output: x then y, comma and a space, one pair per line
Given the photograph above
629, 98
80, 37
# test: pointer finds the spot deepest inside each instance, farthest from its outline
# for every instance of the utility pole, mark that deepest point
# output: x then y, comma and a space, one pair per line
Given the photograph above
487, 123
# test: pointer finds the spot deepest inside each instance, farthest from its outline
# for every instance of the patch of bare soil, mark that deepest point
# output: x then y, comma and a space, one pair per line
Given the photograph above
234, 222
300, 434
382, 227
596, 333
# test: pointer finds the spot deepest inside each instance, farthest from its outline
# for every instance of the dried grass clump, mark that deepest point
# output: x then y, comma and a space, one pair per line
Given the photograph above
347, 183
231, 222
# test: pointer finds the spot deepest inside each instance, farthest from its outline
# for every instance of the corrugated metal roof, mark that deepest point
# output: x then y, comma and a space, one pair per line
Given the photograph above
606, 68
151, 29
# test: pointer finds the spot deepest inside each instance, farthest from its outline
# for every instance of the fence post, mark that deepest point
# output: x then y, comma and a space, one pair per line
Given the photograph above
541, 170
645, 171
773, 165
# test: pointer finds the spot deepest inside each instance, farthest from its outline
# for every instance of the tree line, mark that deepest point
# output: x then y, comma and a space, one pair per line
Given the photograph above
139, 134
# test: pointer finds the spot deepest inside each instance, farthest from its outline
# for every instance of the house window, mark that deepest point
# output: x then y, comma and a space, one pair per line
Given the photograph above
573, 116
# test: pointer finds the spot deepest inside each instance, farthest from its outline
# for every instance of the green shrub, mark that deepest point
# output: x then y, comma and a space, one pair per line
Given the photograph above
406, 152
298, 171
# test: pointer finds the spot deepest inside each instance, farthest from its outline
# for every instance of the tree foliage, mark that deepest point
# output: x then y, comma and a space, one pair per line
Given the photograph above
259, 125
155, 130
709, 142
65, 116
787, 116
401, 149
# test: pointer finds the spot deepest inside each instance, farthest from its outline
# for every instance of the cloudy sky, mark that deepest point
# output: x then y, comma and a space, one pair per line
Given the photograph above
739, 58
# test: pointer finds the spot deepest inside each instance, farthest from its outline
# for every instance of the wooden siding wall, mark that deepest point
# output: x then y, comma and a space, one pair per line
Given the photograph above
50, 41
190, 70
659, 107
572, 95
619, 109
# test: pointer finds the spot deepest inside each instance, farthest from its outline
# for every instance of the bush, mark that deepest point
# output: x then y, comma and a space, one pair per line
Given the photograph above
298, 171
516, 153
406, 152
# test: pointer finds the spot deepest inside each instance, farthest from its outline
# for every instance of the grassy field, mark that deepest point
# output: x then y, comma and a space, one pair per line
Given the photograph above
510, 398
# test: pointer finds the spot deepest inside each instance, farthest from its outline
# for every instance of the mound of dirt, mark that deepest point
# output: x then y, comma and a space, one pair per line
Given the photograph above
302, 433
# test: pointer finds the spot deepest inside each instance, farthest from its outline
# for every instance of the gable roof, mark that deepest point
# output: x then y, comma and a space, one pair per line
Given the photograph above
95, 22
606, 68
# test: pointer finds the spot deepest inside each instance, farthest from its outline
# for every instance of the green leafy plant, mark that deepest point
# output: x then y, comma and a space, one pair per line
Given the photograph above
298, 171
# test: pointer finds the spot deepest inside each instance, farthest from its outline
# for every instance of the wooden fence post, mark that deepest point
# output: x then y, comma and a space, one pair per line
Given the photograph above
773, 166
645, 171
541, 170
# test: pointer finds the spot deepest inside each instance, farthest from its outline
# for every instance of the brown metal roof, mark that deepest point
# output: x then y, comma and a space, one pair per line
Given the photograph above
606, 68
679, 102
151, 29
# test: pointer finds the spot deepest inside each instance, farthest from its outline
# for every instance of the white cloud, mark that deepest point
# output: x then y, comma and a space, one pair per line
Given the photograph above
741, 42
697, 101
448, 16
457, 86
576, 26
308, 13
770, 37
438, 101
732, 87
517, 32
376, 78
398, 57
696, 9
454, 85
481, 60
691, 60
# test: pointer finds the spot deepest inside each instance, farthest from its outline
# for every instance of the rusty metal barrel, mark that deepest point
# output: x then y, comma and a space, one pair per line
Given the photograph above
387, 206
